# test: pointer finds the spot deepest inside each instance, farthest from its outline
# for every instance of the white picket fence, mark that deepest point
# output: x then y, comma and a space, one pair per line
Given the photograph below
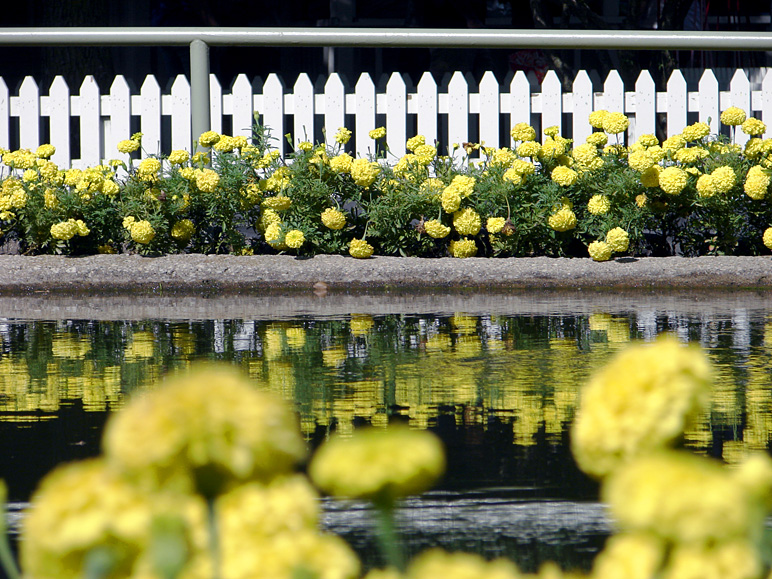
455, 112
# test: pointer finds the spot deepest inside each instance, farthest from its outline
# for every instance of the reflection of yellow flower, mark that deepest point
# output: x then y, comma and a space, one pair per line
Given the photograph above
204, 431
640, 401
360, 324
385, 464
142, 346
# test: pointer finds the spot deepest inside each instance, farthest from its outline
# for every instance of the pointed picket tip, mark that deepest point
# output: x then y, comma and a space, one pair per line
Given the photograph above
119, 84
739, 76
427, 82
180, 82
708, 76
583, 78
396, 81
89, 84
273, 81
241, 82
28, 84
150, 84
364, 82
59, 84
676, 78
303, 81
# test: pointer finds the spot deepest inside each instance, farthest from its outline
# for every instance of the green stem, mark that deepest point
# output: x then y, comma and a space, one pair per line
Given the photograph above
7, 561
214, 542
386, 532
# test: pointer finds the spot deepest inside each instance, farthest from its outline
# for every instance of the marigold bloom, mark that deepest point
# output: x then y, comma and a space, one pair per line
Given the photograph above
600, 251
451, 199
341, 163
767, 237
614, 123
378, 464
733, 116
512, 176
523, 132
690, 155
178, 157
599, 204
378, 133
183, 230
364, 172
207, 180
142, 232
639, 402
414, 142
674, 143
672, 180
529, 149
598, 139
343, 135
206, 432
128, 146
277, 203
360, 249
650, 177
64, 230
435, 563
564, 176
641, 160
618, 239
467, 221
294, 239
562, 220
333, 218
45, 151
462, 248
757, 182
552, 149
596, 118
425, 154
148, 169
630, 555
226, 144
495, 224
436, 229
208, 138
696, 131
754, 127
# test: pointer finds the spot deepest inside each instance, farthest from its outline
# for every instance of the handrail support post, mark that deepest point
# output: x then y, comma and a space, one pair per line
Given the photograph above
199, 88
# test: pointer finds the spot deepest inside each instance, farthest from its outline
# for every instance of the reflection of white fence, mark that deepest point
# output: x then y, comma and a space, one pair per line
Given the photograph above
456, 111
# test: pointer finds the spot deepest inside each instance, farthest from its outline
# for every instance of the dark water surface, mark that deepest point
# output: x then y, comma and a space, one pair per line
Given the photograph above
496, 377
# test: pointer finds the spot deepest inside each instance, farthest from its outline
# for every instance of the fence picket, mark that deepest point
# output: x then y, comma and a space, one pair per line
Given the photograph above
120, 114
519, 99
740, 95
243, 109
334, 106
5, 115
766, 98
582, 97
458, 111
91, 135
59, 114
181, 123
645, 106
303, 108
427, 108
273, 110
708, 99
216, 104
396, 114
29, 114
551, 101
365, 115
150, 116
489, 110
677, 102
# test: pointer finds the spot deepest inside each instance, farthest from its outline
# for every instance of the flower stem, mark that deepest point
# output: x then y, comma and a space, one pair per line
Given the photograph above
214, 542
388, 541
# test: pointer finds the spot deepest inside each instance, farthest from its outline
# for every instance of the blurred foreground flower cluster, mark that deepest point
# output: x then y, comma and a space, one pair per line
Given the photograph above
692, 194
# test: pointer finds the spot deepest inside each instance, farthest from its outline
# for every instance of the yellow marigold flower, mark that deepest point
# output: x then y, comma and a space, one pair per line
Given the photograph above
333, 218
207, 431
268, 217
378, 133
585, 154
648, 140
600, 251
435, 563
630, 555
512, 176
183, 230
467, 221
706, 186
364, 172
360, 249
552, 149
128, 221
142, 231
378, 464
523, 132
529, 149
45, 151
598, 139
425, 154
650, 177
724, 179
432, 187
767, 237
30, 175
683, 498
640, 161
110, 187
641, 401
341, 163
674, 143
599, 204
757, 182
277, 203
463, 248
690, 155
148, 169
127, 146
562, 220
523, 167
272, 233
451, 199
208, 138
294, 239
81, 228
436, 229
226, 144
495, 224
614, 123
564, 176
342, 136
502, 157
200, 158
64, 230
305, 146
414, 142
672, 180
79, 508
188, 173
695, 132
596, 118
754, 127
179, 157
464, 185
107, 249
50, 199
207, 180
736, 559
552, 131
733, 116
618, 239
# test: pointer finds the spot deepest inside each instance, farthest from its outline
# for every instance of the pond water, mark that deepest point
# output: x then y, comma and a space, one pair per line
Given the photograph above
496, 377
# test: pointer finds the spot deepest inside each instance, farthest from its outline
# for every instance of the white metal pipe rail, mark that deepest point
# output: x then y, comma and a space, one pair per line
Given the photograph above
199, 40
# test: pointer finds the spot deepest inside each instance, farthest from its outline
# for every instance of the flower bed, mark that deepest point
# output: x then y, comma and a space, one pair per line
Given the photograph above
692, 194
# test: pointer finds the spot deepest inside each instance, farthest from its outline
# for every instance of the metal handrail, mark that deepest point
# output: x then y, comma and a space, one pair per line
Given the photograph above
199, 40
